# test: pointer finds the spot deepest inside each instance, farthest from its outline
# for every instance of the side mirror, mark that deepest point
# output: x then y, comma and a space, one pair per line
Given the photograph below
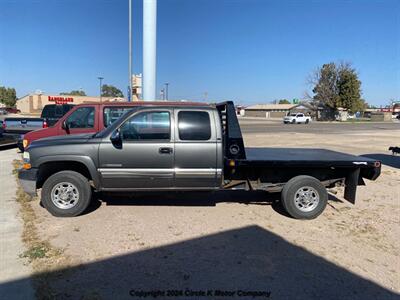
116, 136
65, 126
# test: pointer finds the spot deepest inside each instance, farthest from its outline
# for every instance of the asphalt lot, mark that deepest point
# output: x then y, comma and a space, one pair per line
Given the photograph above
275, 126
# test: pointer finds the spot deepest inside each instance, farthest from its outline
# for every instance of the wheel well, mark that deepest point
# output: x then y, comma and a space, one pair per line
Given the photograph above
50, 168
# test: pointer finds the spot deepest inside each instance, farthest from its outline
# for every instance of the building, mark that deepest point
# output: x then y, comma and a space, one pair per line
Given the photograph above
34, 103
276, 110
136, 87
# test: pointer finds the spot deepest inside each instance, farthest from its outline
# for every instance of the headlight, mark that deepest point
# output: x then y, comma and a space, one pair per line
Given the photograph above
25, 143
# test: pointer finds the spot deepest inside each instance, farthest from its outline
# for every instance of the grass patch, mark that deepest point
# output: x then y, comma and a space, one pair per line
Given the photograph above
35, 252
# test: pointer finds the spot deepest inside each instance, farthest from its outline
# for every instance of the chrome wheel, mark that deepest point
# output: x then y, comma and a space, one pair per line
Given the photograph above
65, 195
306, 198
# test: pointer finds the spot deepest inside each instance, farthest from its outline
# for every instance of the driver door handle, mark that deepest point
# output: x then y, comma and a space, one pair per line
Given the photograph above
165, 150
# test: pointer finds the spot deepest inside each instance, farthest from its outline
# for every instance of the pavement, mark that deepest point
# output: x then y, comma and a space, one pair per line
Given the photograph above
12, 267
273, 126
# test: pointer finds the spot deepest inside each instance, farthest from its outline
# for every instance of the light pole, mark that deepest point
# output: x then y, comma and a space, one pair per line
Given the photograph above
166, 90
100, 79
130, 51
149, 49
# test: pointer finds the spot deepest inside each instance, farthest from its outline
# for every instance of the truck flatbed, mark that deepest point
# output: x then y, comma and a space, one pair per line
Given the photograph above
303, 157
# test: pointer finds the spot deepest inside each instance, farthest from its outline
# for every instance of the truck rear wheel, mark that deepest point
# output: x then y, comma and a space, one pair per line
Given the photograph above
66, 194
304, 197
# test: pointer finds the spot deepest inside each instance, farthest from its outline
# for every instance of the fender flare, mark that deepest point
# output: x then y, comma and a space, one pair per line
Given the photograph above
85, 160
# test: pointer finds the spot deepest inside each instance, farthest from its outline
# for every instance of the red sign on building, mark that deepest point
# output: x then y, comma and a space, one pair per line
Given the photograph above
61, 100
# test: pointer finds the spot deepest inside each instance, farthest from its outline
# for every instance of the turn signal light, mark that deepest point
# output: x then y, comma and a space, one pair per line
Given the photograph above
26, 166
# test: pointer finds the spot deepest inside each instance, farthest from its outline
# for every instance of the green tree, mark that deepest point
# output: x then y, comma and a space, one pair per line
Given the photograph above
74, 93
8, 96
325, 89
111, 91
337, 85
284, 101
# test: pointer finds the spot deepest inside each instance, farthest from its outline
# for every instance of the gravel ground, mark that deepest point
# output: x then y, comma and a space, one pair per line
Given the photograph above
232, 241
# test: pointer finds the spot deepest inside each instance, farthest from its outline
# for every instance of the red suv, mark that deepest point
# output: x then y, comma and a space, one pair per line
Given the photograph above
87, 118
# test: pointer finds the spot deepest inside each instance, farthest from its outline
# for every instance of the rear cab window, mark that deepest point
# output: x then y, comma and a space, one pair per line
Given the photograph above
194, 125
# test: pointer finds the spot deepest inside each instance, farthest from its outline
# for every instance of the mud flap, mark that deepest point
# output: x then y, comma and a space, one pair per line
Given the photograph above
351, 183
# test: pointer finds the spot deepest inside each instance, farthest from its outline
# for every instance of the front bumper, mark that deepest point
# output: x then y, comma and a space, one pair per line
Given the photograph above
27, 179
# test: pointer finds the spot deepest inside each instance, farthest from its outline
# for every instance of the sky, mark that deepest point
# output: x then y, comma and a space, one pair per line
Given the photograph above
249, 51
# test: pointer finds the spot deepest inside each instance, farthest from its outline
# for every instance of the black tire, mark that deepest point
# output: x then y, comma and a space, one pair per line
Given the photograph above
307, 121
81, 186
289, 196
294, 122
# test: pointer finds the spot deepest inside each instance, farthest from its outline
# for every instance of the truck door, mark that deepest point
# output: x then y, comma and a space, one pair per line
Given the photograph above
195, 149
82, 120
145, 159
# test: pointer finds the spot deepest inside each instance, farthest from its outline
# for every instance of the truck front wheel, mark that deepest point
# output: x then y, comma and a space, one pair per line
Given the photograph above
304, 197
66, 194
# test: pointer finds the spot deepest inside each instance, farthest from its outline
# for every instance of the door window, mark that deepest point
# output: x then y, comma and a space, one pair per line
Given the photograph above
147, 126
194, 125
111, 114
83, 117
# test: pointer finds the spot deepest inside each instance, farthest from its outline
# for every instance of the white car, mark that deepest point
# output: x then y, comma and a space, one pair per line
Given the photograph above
296, 118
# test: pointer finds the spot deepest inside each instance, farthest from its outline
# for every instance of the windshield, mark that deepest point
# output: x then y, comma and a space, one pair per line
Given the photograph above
292, 115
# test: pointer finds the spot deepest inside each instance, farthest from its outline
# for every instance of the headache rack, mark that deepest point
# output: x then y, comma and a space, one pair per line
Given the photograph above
232, 135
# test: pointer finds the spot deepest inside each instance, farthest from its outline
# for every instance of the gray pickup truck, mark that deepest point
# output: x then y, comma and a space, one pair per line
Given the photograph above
184, 147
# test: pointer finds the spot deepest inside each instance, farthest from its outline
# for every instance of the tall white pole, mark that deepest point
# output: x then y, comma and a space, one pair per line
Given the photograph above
130, 51
149, 49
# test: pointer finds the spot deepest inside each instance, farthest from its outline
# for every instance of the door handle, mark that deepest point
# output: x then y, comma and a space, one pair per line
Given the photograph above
165, 150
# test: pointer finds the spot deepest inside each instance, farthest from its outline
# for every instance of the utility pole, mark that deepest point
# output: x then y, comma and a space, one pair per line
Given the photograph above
100, 79
166, 90
149, 49
130, 51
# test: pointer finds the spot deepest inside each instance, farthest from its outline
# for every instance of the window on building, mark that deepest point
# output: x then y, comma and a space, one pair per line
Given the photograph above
147, 126
194, 125
83, 117
111, 114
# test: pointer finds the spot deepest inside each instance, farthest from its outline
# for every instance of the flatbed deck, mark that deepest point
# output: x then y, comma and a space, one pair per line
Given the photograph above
303, 157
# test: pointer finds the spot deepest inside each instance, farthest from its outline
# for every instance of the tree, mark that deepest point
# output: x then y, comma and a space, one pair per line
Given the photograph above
325, 89
349, 90
337, 85
111, 91
284, 101
8, 96
74, 93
